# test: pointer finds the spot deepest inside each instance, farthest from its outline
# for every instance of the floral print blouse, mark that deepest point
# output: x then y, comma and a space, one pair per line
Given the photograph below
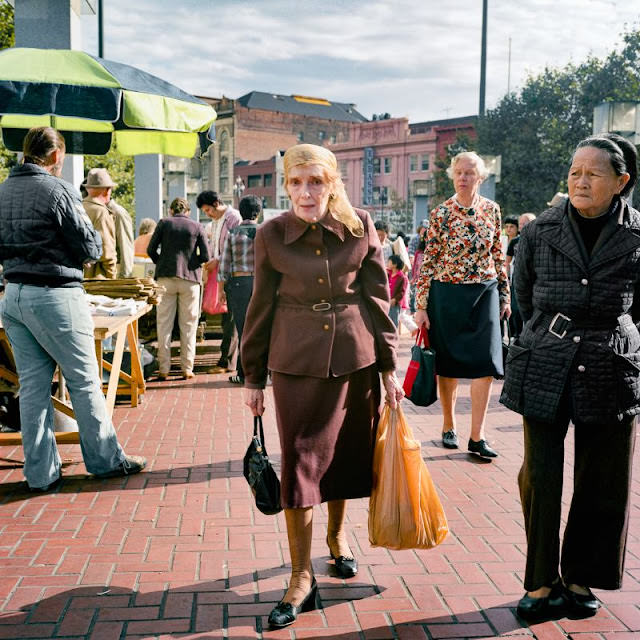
463, 246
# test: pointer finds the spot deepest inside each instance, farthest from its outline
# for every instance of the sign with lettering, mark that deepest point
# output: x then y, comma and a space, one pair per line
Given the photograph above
367, 192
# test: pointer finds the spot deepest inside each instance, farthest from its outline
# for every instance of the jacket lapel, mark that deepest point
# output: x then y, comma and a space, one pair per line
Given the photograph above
617, 238
559, 234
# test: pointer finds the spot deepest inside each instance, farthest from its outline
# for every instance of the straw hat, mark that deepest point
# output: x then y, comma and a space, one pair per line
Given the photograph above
98, 179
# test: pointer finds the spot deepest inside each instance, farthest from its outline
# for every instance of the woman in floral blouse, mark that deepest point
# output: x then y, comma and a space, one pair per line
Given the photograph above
462, 292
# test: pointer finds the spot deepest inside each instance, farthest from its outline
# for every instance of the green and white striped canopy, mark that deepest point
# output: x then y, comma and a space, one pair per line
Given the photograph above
97, 104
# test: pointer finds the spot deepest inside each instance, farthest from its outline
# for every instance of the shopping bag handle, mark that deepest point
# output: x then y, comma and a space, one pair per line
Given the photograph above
257, 425
422, 339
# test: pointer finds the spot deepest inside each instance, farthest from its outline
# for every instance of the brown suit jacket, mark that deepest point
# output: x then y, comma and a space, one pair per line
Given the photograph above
299, 266
103, 223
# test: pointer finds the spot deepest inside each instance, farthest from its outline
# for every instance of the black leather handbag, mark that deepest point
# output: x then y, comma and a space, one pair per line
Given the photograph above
259, 473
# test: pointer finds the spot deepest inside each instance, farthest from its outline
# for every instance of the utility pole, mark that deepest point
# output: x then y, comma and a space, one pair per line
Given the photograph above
483, 59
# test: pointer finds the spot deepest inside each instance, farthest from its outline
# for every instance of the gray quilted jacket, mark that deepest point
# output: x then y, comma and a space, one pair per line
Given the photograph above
580, 332
44, 230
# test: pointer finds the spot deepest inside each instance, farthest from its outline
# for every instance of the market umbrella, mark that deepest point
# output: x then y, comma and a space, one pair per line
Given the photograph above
98, 103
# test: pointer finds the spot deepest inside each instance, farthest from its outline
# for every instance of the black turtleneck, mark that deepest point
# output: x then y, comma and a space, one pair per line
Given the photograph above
590, 228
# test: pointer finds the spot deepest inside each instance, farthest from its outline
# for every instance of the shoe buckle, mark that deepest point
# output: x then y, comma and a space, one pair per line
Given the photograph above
552, 331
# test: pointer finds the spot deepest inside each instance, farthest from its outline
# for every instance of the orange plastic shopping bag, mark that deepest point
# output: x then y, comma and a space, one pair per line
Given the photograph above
405, 511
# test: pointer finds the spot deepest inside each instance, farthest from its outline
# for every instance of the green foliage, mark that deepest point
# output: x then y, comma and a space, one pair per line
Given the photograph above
536, 129
121, 170
442, 183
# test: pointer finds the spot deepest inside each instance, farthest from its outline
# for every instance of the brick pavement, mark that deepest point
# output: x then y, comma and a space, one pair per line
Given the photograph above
180, 551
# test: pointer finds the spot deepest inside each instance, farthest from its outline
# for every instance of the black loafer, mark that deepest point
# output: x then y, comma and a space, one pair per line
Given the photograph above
552, 607
285, 613
581, 605
481, 448
449, 439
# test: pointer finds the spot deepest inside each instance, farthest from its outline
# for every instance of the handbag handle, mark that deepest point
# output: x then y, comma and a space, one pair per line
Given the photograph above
257, 424
422, 339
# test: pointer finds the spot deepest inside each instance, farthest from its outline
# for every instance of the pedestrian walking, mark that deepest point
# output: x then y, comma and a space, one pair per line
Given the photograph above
398, 288
318, 320
462, 292
578, 360
178, 247
45, 239
237, 270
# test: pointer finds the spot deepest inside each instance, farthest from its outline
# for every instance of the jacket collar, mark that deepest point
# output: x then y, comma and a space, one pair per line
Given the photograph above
557, 229
295, 227
28, 169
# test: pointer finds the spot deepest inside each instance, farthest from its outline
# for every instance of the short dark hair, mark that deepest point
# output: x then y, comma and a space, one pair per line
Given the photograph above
396, 261
622, 155
40, 143
381, 225
510, 220
207, 197
250, 207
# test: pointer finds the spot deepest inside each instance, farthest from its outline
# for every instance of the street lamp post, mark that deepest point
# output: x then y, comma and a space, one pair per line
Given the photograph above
238, 189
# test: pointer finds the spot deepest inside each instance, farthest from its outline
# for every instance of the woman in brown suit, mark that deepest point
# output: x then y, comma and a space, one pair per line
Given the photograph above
318, 320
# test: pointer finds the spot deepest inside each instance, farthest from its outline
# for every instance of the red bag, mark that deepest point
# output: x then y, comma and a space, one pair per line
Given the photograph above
420, 382
210, 302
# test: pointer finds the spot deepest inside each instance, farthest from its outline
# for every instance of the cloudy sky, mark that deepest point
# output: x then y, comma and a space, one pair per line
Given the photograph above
414, 58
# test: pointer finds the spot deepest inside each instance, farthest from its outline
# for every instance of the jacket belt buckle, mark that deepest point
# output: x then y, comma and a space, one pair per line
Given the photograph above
321, 306
552, 331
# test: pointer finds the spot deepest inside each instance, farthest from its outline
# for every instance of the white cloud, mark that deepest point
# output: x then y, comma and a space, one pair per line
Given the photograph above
407, 57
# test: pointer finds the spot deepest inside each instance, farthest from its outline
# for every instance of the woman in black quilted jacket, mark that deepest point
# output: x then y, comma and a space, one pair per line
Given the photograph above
578, 360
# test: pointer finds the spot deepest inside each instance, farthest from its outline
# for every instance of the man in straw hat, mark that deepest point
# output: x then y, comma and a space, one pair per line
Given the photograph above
99, 185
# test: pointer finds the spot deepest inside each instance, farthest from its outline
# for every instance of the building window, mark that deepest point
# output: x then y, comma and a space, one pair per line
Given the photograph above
380, 195
332, 139
266, 202
413, 163
342, 165
424, 164
322, 135
387, 165
224, 185
268, 179
300, 136
253, 182
224, 167
376, 165
223, 143
284, 202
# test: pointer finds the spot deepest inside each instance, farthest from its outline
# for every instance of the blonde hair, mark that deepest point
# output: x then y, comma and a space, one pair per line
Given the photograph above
147, 225
339, 206
478, 162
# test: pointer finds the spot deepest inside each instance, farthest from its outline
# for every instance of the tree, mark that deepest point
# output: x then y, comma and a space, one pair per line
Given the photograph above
121, 170
536, 129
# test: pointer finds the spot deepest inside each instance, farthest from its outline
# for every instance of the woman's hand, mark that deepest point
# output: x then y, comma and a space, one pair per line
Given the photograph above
393, 388
254, 399
505, 310
421, 318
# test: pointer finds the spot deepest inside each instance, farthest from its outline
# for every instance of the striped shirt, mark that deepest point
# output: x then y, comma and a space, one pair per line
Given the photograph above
238, 254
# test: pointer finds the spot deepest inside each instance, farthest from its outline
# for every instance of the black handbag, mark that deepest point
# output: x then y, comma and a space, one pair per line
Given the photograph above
420, 382
259, 473
506, 339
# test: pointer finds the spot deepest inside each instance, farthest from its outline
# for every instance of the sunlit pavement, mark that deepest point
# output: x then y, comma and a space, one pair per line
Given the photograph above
181, 552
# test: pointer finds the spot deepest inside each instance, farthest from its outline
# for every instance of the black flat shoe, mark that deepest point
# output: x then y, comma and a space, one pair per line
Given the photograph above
581, 605
449, 439
552, 607
481, 448
345, 567
285, 613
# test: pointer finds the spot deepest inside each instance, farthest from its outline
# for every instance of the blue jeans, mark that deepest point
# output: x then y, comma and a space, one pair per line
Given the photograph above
48, 326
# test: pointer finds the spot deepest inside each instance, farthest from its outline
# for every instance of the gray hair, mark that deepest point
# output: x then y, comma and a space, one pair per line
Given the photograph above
147, 225
469, 155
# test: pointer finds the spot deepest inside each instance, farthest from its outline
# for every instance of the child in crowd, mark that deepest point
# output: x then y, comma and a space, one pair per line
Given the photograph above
399, 287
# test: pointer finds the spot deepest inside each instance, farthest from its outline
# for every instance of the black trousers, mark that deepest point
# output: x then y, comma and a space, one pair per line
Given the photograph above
595, 537
229, 344
238, 296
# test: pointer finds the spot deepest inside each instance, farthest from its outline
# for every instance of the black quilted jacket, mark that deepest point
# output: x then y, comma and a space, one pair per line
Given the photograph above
44, 230
593, 349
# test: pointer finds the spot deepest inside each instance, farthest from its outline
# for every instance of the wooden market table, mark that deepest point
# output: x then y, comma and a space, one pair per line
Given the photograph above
124, 329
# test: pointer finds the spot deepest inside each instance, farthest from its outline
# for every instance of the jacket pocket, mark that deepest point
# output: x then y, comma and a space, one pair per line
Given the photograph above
515, 370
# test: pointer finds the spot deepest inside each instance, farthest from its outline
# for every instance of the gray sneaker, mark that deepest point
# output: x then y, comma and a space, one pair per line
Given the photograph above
449, 439
129, 466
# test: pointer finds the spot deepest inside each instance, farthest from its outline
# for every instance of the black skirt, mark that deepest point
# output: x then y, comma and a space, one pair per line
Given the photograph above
465, 329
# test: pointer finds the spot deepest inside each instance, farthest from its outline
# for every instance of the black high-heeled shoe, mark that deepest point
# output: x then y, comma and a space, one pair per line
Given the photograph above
345, 567
285, 613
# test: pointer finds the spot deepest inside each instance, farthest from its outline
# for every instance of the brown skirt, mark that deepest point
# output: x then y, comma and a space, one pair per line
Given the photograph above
327, 429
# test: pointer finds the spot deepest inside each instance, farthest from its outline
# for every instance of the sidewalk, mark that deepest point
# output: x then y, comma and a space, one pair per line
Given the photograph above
181, 552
